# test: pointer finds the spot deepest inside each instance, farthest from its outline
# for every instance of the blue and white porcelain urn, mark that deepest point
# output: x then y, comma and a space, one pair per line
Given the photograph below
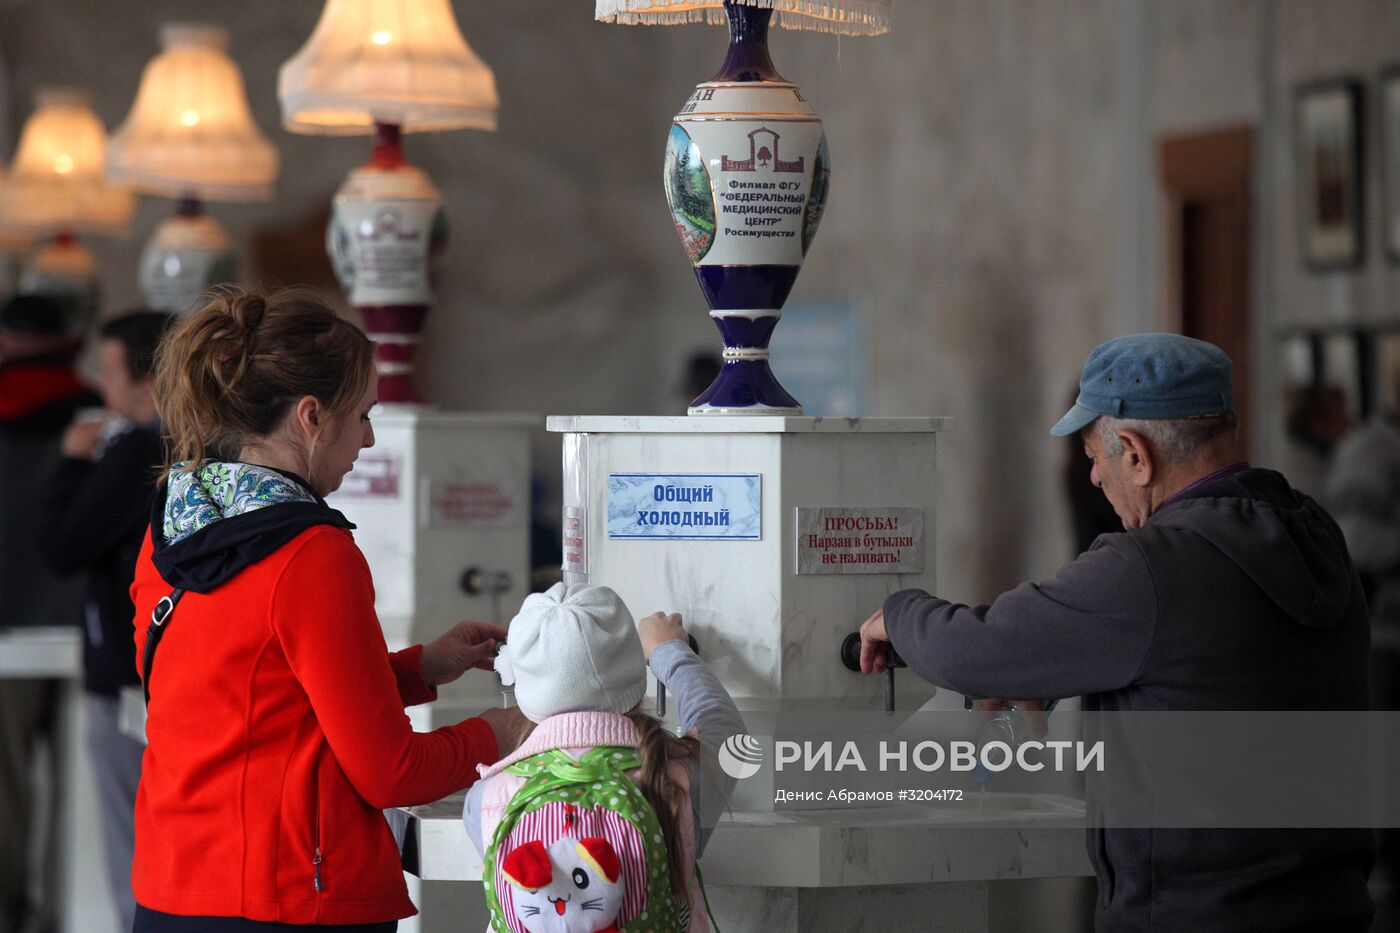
747, 176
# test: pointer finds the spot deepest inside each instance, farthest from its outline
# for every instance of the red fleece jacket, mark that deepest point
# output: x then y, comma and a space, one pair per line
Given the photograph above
276, 732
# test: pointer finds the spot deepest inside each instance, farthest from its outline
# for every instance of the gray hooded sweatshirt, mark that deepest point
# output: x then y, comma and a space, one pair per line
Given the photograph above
1237, 594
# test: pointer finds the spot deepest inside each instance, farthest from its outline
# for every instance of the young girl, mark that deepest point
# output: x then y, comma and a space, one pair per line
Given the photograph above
566, 844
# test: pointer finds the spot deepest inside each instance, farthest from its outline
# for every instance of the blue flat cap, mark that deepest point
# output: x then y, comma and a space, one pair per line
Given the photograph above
1151, 377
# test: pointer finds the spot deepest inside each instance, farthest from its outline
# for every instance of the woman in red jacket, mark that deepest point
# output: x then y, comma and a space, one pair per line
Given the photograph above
275, 717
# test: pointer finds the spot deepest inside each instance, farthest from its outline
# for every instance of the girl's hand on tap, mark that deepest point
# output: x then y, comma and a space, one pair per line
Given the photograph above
659, 627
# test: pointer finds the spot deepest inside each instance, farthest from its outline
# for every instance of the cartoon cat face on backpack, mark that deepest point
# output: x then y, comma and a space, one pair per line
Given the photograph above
573, 886
579, 849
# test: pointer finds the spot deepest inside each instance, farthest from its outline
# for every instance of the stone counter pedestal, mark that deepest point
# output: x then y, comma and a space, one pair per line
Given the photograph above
442, 508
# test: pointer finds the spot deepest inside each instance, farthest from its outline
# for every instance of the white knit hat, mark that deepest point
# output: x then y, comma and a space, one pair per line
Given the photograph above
572, 649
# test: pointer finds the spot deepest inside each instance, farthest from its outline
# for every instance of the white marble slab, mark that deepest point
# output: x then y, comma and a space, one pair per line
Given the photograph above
742, 424
55, 651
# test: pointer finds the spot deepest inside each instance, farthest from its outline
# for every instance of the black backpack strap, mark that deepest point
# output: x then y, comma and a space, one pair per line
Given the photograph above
159, 616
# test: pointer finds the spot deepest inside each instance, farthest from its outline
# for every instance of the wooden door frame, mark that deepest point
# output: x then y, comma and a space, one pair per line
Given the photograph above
1199, 166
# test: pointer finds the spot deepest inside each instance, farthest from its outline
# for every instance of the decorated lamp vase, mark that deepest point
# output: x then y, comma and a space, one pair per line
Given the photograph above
747, 175
65, 272
188, 254
387, 230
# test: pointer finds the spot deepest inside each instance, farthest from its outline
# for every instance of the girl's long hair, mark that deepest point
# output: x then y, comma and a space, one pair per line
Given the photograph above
659, 750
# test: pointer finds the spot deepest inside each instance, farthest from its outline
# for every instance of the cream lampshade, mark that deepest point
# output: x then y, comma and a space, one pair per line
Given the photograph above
190, 135
57, 188
846, 17
190, 131
402, 62
387, 67
747, 178
56, 181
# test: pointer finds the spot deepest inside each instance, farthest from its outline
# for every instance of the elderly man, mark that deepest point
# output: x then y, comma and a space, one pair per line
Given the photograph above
1228, 590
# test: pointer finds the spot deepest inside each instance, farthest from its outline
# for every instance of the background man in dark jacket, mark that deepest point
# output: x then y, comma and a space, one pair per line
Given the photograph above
1228, 590
99, 500
39, 394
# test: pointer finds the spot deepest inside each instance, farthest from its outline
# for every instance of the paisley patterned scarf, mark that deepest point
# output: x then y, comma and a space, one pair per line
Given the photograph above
214, 490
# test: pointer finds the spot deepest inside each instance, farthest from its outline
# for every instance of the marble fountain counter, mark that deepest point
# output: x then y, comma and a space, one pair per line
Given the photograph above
804, 871
830, 871
41, 651
770, 611
826, 518
1011, 836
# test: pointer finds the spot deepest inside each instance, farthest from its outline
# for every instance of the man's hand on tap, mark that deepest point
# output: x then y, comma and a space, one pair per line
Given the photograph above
874, 647
659, 627
465, 646
874, 644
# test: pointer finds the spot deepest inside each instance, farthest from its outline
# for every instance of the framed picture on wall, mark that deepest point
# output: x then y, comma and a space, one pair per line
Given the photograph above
1390, 160
1328, 126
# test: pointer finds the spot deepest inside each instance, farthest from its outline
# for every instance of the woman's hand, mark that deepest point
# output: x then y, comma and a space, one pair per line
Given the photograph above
80, 440
465, 646
659, 627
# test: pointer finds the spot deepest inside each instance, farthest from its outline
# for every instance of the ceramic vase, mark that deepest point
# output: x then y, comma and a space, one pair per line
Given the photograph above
747, 176
66, 272
188, 254
387, 229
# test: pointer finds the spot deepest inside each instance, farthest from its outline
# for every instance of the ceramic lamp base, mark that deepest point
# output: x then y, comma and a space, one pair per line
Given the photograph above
747, 174
66, 272
745, 384
395, 330
386, 232
188, 254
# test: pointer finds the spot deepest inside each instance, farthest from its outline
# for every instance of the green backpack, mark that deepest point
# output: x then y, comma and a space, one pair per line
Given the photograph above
579, 850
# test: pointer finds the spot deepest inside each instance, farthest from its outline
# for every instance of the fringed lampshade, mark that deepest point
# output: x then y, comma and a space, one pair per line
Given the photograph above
845, 17
56, 181
57, 188
190, 131
398, 62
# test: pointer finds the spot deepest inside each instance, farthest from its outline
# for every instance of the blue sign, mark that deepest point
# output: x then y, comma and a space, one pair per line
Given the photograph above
819, 355
725, 506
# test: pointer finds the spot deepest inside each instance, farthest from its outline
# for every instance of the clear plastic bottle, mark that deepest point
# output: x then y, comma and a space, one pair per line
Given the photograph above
1008, 725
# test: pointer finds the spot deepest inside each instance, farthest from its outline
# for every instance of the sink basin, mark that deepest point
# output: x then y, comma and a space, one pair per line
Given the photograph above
999, 807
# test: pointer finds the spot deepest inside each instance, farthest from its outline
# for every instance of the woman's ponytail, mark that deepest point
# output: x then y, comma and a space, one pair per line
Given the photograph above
228, 373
